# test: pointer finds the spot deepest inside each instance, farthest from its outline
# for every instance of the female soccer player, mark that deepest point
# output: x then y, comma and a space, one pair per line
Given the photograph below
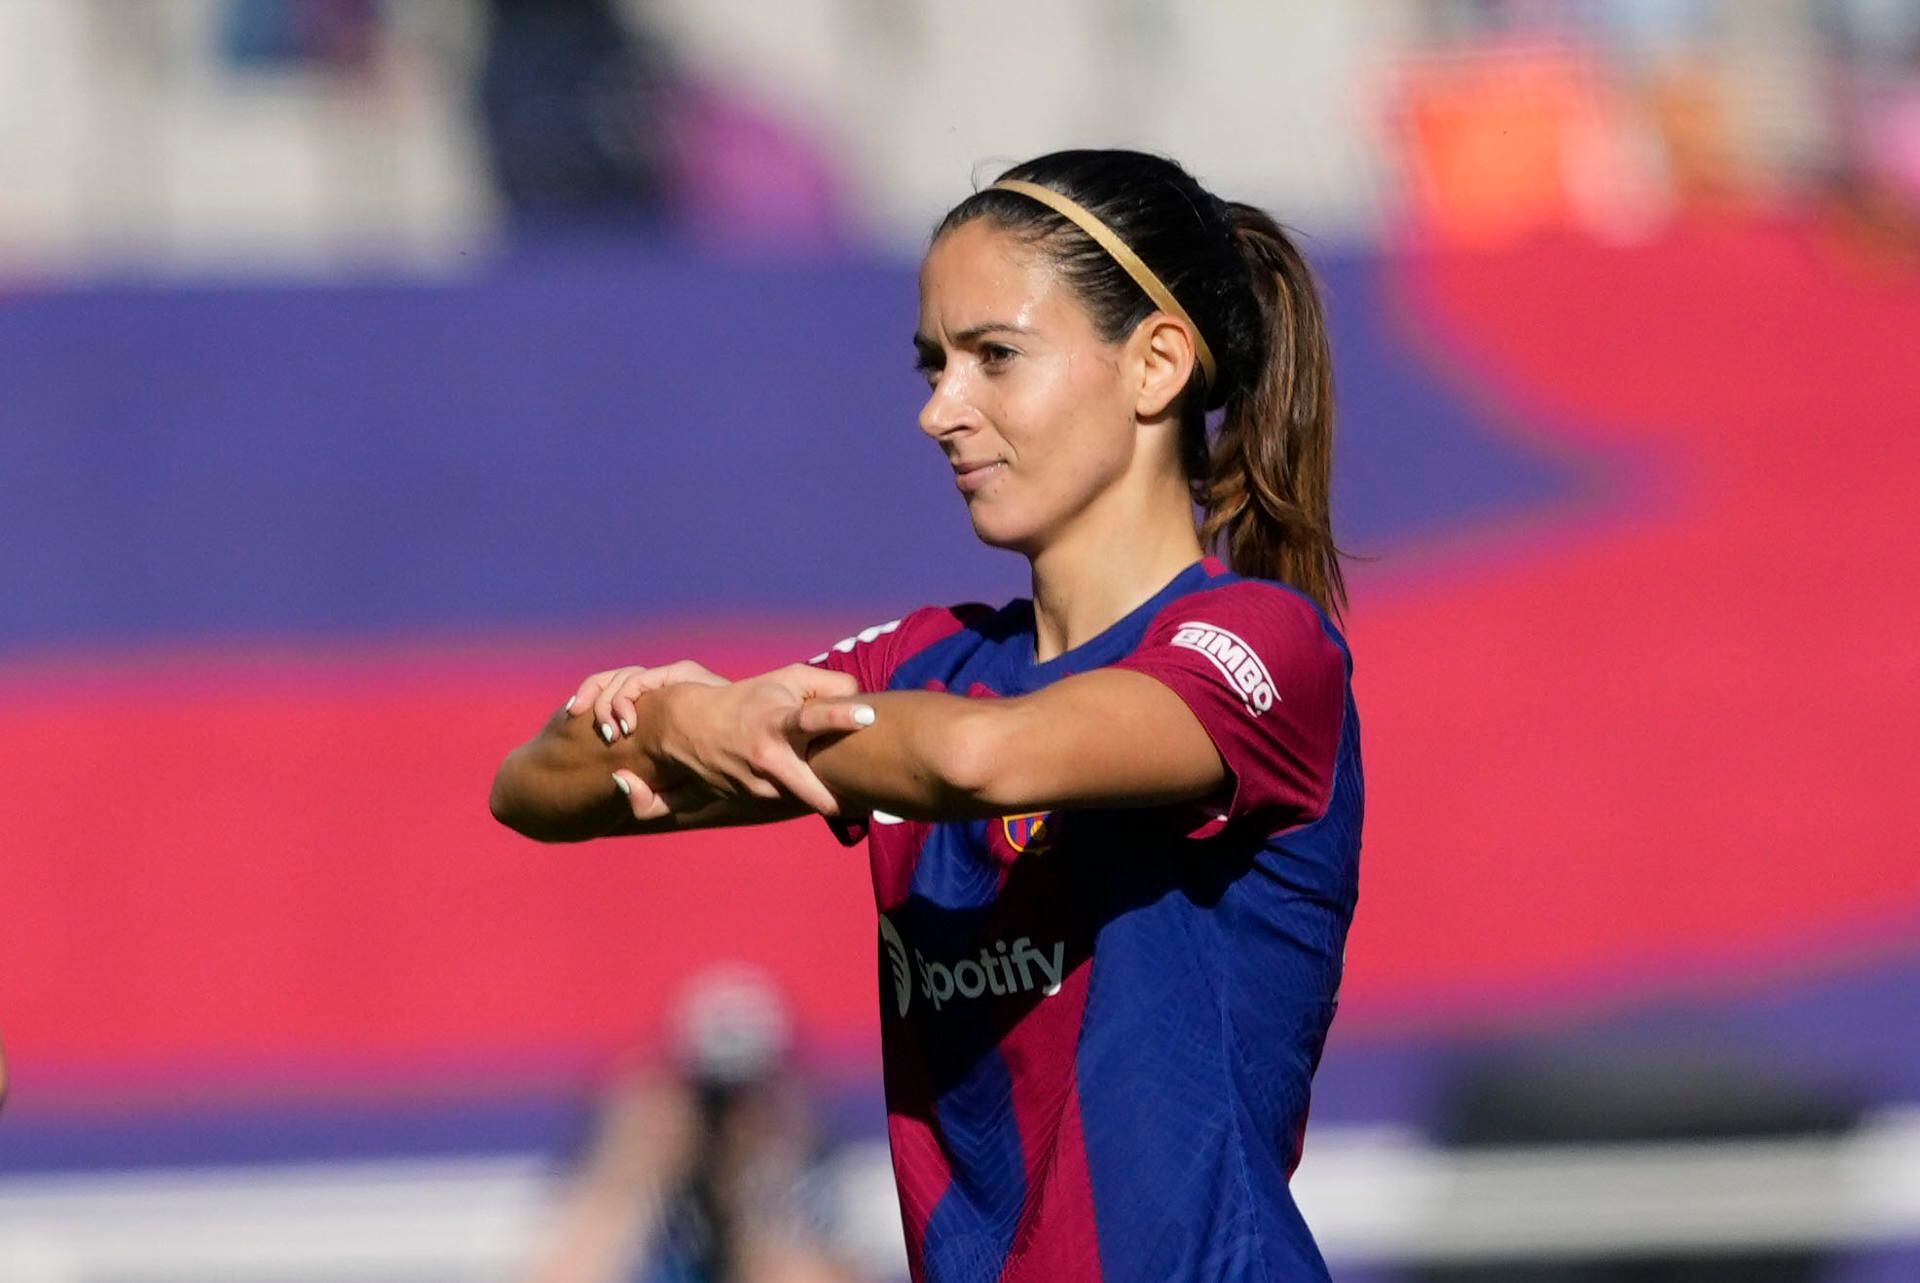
1114, 829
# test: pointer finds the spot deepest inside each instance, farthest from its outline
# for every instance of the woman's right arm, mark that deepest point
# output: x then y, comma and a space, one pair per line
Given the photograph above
560, 786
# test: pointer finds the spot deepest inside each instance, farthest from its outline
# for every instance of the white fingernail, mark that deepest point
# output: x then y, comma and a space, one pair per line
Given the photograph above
863, 716
626, 726
606, 731
623, 786
571, 700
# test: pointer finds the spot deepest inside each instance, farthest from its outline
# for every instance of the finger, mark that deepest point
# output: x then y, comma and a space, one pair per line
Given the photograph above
603, 718
761, 787
713, 781
831, 717
624, 714
687, 798
679, 672
582, 702
644, 802
817, 683
798, 779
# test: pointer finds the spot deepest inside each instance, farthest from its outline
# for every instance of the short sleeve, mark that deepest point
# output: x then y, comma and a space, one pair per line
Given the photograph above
1267, 679
871, 657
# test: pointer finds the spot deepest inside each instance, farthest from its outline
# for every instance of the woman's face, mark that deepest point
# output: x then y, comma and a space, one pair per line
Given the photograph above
1028, 402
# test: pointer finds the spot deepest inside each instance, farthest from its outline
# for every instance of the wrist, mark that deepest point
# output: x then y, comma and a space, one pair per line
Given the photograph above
665, 716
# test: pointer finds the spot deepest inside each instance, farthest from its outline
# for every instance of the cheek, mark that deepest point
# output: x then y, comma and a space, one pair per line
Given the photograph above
1090, 440
1064, 412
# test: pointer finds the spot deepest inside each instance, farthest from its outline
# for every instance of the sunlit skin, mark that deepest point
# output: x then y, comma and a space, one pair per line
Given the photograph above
1065, 450
1082, 434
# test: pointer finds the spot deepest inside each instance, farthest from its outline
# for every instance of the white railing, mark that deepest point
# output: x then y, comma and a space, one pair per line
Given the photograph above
1372, 1195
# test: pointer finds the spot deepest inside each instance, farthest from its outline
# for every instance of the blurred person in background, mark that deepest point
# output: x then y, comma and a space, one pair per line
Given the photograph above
1117, 864
590, 122
572, 101
335, 35
1874, 48
705, 1174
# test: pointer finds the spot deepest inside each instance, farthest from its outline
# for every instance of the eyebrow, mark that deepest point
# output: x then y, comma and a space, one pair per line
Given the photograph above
921, 343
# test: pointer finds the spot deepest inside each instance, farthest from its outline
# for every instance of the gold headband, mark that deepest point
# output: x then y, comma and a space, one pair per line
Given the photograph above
1142, 274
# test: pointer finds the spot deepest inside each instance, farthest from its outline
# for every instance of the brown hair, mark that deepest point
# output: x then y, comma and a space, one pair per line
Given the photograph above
1263, 482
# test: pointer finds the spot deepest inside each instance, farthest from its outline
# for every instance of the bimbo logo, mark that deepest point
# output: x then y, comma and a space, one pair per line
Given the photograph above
1236, 661
1000, 968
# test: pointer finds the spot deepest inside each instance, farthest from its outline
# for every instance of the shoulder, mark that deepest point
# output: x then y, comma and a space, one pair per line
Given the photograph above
1273, 620
875, 653
915, 630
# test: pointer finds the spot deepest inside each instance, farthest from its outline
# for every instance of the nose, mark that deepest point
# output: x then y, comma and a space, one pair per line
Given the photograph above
946, 410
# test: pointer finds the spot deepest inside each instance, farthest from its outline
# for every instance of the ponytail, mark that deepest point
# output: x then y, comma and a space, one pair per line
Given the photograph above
1267, 494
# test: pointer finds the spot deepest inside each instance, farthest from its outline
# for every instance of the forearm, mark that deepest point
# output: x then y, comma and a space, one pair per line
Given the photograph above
927, 756
1101, 739
558, 786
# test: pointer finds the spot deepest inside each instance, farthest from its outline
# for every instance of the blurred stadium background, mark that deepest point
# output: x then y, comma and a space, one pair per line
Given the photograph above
369, 372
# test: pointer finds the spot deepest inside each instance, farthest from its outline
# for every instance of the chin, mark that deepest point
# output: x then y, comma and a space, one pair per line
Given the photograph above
1001, 529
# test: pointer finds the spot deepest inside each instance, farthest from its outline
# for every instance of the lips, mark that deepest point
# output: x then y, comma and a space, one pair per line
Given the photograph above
971, 476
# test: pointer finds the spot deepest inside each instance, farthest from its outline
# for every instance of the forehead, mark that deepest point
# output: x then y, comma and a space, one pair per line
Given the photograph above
979, 273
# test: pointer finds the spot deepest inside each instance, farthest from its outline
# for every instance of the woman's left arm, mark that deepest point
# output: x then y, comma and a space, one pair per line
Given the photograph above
1103, 738
1238, 699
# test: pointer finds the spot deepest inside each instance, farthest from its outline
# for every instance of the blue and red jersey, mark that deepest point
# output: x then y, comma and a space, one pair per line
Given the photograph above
1100, 1026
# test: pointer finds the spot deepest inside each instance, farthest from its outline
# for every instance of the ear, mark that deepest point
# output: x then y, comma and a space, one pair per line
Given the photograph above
1166, 360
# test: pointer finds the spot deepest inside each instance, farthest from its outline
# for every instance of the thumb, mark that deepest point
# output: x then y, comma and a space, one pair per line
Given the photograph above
642, 800
809, 682
831, 717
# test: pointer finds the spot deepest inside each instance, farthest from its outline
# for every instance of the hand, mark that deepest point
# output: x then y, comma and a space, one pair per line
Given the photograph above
646, 1135
609, 696
748, 739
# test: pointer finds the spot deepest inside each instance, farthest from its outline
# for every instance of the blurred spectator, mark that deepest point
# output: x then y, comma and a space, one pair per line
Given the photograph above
571, 101
589, 121
1875, 58
707, 1174
1519, 116
332, 34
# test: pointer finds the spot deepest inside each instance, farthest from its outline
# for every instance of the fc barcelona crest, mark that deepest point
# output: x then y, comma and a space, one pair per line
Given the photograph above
1029, 833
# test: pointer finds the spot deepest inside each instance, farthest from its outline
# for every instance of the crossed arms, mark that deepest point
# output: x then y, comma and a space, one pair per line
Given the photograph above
667, 749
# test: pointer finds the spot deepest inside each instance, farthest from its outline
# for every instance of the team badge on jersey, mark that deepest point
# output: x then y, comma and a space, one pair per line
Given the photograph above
1029, 833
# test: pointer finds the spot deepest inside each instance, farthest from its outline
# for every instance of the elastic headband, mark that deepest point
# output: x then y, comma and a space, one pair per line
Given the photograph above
1143, 275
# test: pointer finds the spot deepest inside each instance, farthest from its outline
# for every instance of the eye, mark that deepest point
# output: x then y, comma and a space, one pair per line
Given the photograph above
992, 354
928, 361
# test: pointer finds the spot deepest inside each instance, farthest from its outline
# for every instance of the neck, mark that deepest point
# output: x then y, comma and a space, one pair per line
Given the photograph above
1116, 556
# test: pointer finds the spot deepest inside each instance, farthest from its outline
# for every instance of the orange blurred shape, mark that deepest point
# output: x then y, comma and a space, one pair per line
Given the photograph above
1492, 141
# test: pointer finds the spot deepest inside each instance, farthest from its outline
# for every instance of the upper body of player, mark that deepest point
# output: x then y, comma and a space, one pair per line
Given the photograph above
1114, 828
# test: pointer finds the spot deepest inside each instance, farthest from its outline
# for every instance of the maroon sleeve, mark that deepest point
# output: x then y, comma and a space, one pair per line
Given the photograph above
1267, 681
871, 656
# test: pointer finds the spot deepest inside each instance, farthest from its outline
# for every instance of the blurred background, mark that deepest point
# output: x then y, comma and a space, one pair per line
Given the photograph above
371, 371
